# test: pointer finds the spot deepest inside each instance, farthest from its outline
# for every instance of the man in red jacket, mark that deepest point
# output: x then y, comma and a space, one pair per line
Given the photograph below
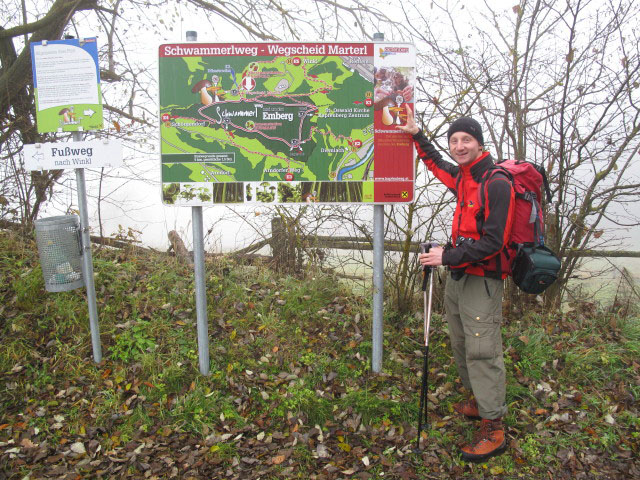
478, 260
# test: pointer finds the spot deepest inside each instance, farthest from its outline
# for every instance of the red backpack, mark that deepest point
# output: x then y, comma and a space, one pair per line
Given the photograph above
534, 266
527, 180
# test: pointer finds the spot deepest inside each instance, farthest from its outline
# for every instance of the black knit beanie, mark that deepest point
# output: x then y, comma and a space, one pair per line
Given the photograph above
466, 125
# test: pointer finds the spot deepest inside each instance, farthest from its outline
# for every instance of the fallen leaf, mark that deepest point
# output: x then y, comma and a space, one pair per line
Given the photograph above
78, 448
26, 443
321, 451
278, 459
345, 446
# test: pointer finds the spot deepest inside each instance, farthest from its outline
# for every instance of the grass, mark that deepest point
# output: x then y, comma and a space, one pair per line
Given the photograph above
286, 355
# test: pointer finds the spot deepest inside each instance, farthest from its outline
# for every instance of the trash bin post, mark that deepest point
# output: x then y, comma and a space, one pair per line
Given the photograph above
87, 260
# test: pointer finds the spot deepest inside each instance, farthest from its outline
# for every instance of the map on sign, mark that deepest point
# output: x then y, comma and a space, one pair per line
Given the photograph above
282, 123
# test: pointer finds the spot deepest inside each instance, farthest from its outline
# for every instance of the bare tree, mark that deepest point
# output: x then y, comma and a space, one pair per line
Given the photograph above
555, 83
128, 83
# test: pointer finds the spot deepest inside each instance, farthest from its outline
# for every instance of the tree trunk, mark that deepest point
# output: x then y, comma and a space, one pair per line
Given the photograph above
283, 246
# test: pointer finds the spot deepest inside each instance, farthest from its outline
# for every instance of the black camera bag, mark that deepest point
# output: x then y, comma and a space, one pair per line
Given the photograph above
534, 268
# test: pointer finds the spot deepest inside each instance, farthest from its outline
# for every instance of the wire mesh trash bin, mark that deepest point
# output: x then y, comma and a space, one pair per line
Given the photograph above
60, 249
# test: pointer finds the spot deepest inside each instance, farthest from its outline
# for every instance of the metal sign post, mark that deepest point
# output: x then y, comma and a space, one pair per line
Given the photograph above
201, 290
202, 320
378, 288
377, 329
87, 260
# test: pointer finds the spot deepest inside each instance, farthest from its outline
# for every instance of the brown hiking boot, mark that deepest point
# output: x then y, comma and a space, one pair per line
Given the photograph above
468, 408
488, 441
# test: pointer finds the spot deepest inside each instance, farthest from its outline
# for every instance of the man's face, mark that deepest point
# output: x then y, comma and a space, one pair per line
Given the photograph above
464, 148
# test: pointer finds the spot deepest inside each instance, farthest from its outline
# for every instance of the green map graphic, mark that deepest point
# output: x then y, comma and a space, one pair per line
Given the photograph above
251, 119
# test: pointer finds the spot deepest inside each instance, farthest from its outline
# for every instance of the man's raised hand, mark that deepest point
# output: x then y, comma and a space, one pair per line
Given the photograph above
411, 128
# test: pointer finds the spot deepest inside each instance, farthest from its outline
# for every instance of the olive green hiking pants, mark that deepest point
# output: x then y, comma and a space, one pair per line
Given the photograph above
473, 307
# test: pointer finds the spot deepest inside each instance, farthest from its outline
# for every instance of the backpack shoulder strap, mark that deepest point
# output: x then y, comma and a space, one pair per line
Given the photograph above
482, 192
545, 181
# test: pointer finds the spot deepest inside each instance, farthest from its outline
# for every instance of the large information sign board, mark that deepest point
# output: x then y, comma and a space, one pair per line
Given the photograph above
286, 122
66, 78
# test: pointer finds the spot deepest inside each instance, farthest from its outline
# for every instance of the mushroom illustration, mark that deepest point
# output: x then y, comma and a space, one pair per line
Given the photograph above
65, 114
202, 86
216, 89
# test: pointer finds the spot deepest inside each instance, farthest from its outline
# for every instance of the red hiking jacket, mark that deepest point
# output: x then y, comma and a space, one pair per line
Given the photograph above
480, 239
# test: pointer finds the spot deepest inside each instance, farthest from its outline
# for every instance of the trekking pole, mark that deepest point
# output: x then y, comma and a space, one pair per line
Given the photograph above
426, 277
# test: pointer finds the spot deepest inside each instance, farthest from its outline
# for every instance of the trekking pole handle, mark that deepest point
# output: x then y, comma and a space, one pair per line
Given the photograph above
426, 269
426, 246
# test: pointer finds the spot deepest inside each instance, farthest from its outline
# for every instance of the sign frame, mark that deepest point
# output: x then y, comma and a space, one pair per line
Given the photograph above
204, 175
67, 89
